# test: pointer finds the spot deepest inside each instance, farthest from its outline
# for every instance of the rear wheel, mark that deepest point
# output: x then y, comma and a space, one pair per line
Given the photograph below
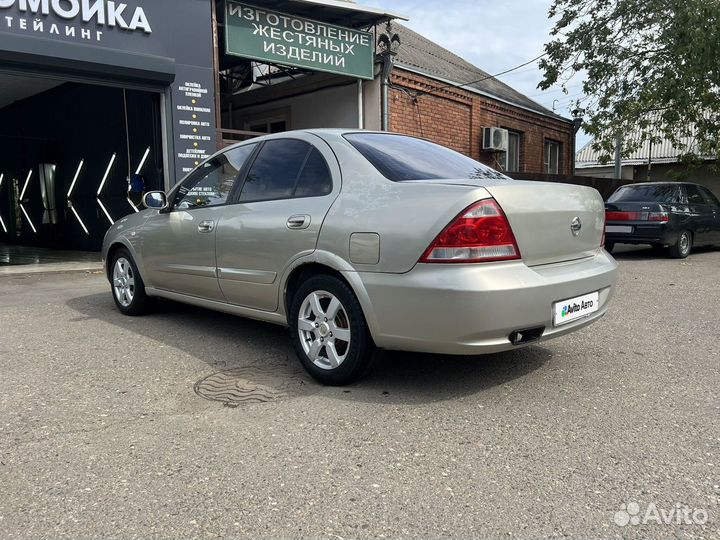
127, 286
609, 246
329, 331
683, 246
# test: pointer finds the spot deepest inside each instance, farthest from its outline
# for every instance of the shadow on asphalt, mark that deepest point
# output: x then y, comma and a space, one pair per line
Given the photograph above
223, 342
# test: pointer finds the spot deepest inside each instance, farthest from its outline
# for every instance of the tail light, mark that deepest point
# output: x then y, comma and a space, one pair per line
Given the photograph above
658, 216
480, 233
637, 216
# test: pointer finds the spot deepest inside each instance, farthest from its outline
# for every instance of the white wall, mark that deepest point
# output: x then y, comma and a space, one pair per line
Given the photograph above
335, 107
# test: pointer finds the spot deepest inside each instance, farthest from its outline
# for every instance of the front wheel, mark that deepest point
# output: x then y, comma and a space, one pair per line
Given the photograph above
127, 286
329, 332
682, 248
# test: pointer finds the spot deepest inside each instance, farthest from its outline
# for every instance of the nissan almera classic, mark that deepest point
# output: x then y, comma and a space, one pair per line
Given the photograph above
361, 241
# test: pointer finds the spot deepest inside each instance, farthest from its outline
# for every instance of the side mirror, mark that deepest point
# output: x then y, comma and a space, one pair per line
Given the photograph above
155, 199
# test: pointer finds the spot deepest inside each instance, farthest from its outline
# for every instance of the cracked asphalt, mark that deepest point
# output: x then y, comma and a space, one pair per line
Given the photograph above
192, 424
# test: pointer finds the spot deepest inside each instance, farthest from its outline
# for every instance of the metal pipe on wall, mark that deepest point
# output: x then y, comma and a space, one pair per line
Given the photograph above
385, 106
361, 111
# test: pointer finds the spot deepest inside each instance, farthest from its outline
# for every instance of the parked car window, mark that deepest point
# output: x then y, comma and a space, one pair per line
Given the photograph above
315, 179
661, 193
693, 195
276, 170
211, 183
400, 158
710, 198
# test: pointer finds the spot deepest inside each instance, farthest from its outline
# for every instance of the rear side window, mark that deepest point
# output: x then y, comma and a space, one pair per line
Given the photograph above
693, 195
315, 179
286, 168
709, 196
400, 158
660, 193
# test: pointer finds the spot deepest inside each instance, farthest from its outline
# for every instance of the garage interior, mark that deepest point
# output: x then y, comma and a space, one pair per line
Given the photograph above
75, 158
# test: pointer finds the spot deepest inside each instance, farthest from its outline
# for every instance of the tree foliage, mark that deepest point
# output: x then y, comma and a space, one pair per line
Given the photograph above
648, 66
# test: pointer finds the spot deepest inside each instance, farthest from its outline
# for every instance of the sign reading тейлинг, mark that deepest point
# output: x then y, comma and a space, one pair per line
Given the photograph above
278, 38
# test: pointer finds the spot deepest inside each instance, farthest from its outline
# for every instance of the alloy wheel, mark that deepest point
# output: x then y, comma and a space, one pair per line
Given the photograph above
324, 328
123, 282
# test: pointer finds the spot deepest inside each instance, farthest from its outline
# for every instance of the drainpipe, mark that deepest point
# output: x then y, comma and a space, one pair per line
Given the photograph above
388, 43
361, 112
577, 124
387, 60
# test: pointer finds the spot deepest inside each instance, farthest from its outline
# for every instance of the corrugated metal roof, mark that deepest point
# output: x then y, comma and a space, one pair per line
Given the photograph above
419, 54
659, 152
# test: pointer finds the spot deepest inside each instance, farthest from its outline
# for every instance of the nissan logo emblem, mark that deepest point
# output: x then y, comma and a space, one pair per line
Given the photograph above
575, 226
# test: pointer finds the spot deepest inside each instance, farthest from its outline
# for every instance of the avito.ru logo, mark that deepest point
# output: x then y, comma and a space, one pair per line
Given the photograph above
574, 308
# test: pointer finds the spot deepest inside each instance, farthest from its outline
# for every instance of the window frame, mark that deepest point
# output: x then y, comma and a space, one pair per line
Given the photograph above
269, 117
547, 145
172, 194
519, 135
237, 192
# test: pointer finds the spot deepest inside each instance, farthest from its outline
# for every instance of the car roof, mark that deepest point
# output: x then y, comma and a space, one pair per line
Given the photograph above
667, 182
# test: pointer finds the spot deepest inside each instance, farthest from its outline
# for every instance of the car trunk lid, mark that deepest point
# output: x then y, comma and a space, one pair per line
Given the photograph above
542, 214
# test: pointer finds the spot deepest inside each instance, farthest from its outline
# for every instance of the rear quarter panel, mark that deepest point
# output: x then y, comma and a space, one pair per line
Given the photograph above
407, 216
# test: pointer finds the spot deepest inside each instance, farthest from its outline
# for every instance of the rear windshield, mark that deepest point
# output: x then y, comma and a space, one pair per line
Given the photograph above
666, 193
401, 158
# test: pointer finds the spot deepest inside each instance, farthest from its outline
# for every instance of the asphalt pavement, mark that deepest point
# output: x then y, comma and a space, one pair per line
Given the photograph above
193, 424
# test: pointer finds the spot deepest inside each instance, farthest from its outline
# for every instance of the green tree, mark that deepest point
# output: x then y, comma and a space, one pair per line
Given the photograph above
647, 64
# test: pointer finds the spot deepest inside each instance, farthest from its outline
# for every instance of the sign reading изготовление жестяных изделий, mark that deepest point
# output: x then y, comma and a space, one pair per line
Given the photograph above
279, 38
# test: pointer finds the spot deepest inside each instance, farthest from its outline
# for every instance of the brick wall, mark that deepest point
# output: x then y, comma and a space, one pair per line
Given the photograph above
455, 118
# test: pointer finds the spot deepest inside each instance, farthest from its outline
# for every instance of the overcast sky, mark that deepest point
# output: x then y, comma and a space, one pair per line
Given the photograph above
494, 36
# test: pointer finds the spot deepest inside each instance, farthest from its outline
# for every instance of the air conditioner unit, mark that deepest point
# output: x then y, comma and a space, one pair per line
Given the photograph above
495, 139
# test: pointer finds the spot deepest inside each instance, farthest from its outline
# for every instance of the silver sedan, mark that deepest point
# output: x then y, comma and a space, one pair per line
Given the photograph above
362, 241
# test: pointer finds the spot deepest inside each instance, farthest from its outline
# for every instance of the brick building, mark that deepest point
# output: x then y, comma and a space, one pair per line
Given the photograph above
437, 95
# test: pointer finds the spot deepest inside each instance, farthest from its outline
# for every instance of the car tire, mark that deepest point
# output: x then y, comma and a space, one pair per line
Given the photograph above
683, 246
127, 287
609, 246
329, 332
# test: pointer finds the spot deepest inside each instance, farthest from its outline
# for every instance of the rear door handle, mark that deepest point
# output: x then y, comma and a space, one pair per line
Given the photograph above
206, 226
299, 221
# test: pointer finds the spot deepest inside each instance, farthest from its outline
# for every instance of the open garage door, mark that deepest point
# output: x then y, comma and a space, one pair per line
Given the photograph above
74, 158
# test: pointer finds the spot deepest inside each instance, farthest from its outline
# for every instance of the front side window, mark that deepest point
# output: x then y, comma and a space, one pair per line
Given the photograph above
210, 184
286, 168
552, 157
400, 158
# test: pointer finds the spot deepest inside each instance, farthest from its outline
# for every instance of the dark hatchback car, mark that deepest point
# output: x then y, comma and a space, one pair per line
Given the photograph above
672, 215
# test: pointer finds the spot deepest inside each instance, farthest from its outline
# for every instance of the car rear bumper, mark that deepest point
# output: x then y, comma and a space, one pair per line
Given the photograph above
474, 308
641, 233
